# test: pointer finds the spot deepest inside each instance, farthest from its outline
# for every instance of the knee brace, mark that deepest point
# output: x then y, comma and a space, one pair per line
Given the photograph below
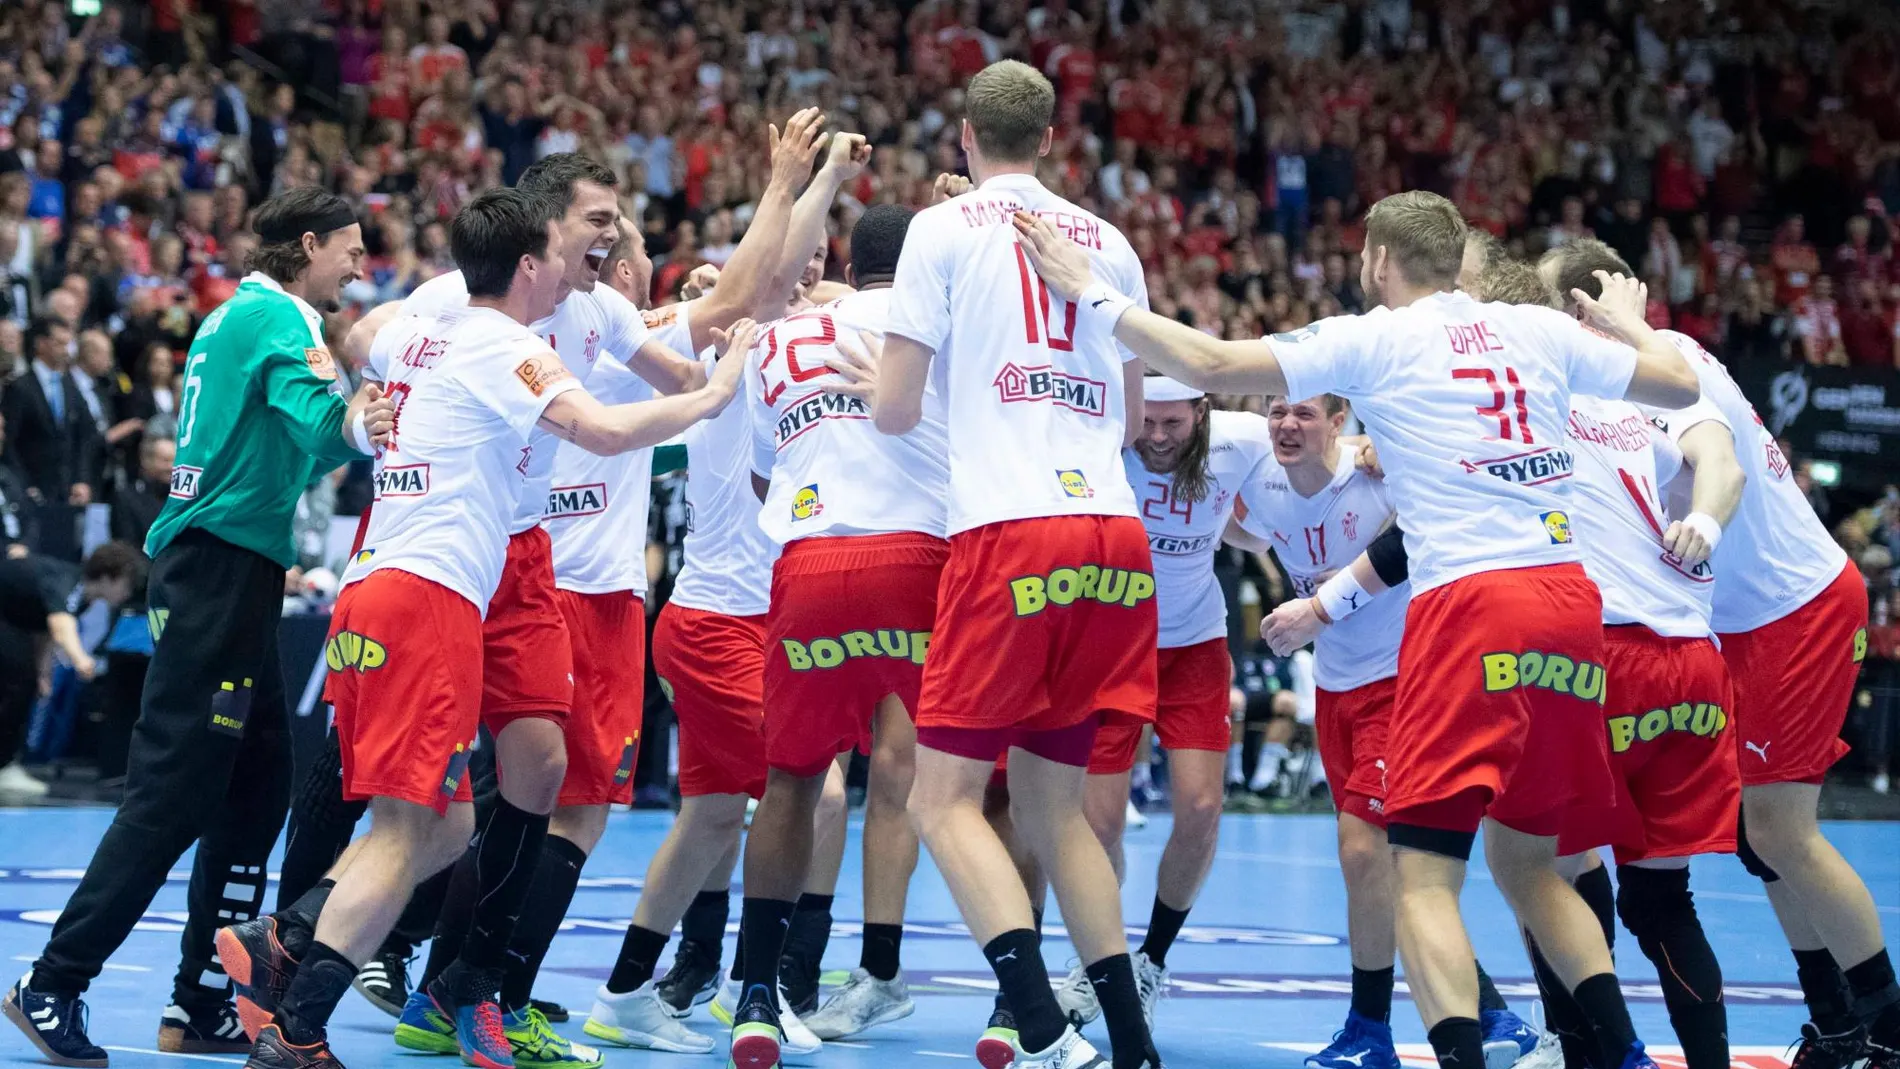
1748, 857
1653, 903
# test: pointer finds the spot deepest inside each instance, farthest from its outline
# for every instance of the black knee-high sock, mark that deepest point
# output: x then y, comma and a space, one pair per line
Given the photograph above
705, 920
555, 878
738, 948
762, 924
883, 945
640, 951
1658, 909
1489, 1000
1597, 893
1022, 982
321, 980
1601, 1000
1824, 989
297, 923
505, 862
1002, 994
1458, 1042
805, 942
1875, 994
321, 824
1562, 1017
1113, 978
1164, 924
1372, 993
458, 909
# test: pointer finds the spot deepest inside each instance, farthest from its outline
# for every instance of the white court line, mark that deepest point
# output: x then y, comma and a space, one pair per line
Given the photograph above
177, 1054
942, 1054
109, 964
851, 1043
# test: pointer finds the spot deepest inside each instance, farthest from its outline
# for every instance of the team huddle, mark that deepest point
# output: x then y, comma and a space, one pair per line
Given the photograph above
960, 513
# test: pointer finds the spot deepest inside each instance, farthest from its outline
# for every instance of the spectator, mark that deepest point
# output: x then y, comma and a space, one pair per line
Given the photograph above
137, 504
1755, 333
1817, 322
1867, 336
1794, 261
51, 439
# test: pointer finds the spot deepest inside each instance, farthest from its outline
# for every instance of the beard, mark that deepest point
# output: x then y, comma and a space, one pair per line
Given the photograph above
1159, 465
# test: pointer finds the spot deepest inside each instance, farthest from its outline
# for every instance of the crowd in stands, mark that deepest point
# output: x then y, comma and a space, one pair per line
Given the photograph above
1744, 154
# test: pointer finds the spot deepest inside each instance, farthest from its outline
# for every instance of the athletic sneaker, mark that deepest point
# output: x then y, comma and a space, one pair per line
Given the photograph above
384, 981
694, 978
1363, 1044
1548, 1054
1076, 996
479, 1035
1818, 1051
259, 968
1070, 1051
863, 1002
56, 1025
756, 1034
1134, 816
798, 1039
996, 1047
273, 1051
1637, 1058
553, 1011
1506, 1038
424, 1027
213, 1031
642, 1019
536, 1043
1151, 983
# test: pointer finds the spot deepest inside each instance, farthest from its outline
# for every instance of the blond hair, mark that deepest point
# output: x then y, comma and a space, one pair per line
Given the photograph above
1514, 282
1009, 105
1422, 233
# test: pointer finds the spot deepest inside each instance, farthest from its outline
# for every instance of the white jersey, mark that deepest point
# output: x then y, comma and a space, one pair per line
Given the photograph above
1317, 536
469, 386
597, 507
1034, 399
582, 328
1775, 554
1620, 519
729, 560
1467, 403
832, 472
1183, 535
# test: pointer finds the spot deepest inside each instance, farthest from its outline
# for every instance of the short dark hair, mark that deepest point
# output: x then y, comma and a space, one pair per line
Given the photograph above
42, 326
1578, 260
877, 240
622, 248
555, 176
281, 222
114, 560
491, 234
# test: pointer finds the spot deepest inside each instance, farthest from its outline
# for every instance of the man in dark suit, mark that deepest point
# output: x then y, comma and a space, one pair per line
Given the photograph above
136, 504
52, 440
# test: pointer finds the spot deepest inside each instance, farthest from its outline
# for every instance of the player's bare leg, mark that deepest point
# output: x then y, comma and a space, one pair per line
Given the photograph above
1366, 862
996, 1048
1105, 805
1431, 935
875, 993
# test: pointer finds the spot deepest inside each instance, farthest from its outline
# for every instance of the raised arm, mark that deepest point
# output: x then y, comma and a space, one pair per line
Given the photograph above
1663, 377
1174, 349
844, 161
575, 416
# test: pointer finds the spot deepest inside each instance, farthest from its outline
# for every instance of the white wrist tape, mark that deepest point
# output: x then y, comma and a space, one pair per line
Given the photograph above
1341, 596
359, 434
1101, 300
1704, 524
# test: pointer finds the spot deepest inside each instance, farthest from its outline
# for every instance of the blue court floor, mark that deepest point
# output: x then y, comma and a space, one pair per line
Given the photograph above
1260, 978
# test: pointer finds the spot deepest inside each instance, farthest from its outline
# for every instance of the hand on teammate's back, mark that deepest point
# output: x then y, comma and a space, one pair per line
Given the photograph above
730, 346
793, 151
856, 360
1688, 545
1060, 262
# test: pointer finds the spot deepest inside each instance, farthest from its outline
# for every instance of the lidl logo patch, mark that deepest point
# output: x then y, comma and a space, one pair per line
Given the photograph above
1557, 525
805, 503
1074, 483
347, 649
363, 556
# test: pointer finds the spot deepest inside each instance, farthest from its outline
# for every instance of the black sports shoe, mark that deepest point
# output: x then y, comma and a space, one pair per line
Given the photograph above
553, 1011
216, 1030
384, 980
693, 979
1815, 1050
56, 1024
798, 983
259, 967
273, 1051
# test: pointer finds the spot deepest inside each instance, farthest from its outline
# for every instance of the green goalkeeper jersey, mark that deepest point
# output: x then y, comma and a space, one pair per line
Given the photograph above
260, 413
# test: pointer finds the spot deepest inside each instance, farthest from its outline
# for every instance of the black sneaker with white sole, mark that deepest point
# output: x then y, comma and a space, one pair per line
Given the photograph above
553, 1011
213, 1030
693, 979
55, 1023
384, 981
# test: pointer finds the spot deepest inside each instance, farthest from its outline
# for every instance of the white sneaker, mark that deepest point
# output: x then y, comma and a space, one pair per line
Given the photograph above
1136, 818
15, 780
640, 1019
863, 1002
1548, 1054
1076, 996
799, 1040
1069, 1052
1151, 983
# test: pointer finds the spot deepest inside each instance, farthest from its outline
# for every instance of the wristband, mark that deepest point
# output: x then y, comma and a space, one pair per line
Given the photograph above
1704, 524
1101, 300
359, 436
1340, 596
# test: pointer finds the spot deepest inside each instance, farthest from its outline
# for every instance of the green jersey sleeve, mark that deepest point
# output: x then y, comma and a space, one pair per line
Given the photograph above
300, 385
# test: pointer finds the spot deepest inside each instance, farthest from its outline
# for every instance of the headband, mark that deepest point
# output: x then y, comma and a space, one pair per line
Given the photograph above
318, 223
1162, 388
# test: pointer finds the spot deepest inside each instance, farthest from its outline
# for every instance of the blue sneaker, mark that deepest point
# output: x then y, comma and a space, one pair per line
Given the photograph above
425, 1028
55, 1023
1363, 1044
1637, 1058
1506, 1038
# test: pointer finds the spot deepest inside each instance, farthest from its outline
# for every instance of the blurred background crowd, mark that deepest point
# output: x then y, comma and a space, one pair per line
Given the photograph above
1744, 154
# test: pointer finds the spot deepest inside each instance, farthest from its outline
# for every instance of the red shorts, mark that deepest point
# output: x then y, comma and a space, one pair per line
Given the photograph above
603, 732
1794, 680
712, 668
405, 659
1192, 708
1041, 624
1499, 710
1671, 753
850, 623
527, 658
1352, 726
